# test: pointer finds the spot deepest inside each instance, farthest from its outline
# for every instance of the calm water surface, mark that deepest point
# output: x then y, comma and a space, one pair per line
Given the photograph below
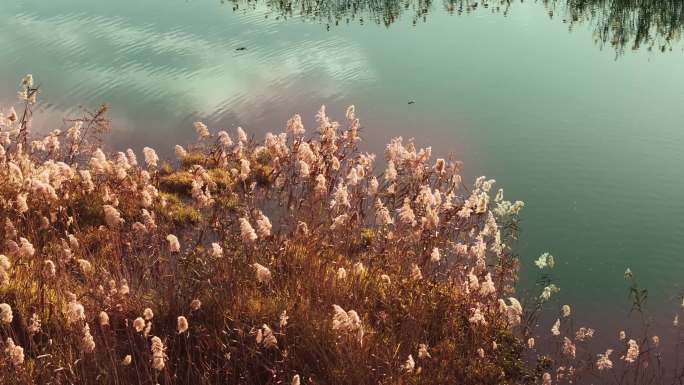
566, 116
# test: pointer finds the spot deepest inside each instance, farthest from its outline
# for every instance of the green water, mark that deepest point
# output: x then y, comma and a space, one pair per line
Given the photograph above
564, 114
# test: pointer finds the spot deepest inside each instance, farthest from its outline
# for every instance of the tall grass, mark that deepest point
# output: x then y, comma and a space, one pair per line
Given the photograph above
287, 260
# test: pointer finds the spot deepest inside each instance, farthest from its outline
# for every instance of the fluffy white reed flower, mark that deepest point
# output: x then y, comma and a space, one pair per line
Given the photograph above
132, 159
151, 158
296, 380
303, 169
480, 352
416, 274
423, 351
604, 361
124, 289
112, 216
546, 379
195, 304
73, 241
386, 279
338, 221
584, 333
148, 314
74, 132
353, 177
4, 268
85, 266
174, 245
530, 343
263, 274
201, 130
266, 337
127, 360
225, 139
410, 365
487, 286
347, 322
373, 186
247, 231
568, 347
435, 256
103, 317
88, 342
263, 225
632, 351
340, 197
548, 292
391, 172
321, 187
158, 355
21, 204
180, 152
49, 269
296, 128
545, 260
473, 282
242, 136
341, 274
477, 318
75, 311
139, 324
98, 162
15, 352
4, 262
26, 249
244, 169
514, 312
182, 324
565, 311
555, 329
216, 250
283, 320
382, 214
406, 215
6, 316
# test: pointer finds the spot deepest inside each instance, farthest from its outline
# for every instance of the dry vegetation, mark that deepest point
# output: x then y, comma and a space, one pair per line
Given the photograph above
282, 261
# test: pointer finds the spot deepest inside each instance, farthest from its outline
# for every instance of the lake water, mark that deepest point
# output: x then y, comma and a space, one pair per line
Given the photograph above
564, 114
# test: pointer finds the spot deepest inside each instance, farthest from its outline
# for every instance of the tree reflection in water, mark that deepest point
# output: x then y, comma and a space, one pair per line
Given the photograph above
622, 24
